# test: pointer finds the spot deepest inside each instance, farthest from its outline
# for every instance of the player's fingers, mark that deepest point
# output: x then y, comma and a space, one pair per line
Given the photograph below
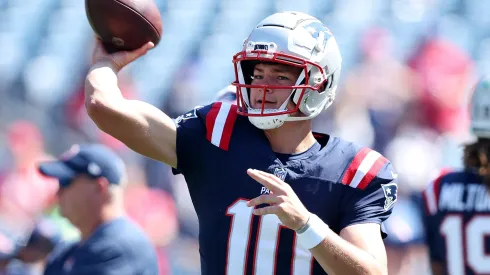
274, 209
271, 176
264, 180
142, 50
280, 183
123, 58
133, 55
269, 199
149, 45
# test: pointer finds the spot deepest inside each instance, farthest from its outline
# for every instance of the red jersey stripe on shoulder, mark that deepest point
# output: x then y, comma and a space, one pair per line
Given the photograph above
228, 128
372, 172
354, 165
211, 119
431, 193
219, 124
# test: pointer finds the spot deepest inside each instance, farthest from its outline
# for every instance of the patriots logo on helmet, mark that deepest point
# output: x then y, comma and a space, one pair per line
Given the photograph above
320, 32
390, 191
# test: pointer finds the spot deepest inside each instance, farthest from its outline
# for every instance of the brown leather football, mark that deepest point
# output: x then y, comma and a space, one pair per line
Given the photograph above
124, 25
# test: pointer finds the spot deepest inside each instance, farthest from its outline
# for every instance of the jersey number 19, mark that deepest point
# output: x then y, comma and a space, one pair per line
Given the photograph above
466, 243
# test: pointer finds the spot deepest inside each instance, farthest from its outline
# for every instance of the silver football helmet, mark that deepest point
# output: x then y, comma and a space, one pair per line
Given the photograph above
295, 39
480, 108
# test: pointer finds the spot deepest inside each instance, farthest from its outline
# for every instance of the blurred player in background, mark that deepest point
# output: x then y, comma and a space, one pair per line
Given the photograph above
271, 196
24, 192
457, 203
29, 258
91, 180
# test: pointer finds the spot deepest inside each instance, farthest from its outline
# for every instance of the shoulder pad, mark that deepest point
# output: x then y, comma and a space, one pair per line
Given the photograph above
219, 124
431, 192
364, 166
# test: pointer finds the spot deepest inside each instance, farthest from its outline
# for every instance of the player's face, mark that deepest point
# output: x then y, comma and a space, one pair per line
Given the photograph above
274, 75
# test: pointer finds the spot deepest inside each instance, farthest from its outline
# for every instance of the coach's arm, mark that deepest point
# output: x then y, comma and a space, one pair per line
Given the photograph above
139, 125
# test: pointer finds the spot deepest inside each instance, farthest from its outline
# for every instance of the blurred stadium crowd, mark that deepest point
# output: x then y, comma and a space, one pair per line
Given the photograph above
408, 68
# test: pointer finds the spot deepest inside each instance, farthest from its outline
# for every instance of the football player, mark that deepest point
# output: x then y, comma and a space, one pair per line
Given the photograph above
271, 196
457, 203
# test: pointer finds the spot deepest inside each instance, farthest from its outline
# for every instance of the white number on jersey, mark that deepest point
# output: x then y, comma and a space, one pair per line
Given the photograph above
472, 236
267, 241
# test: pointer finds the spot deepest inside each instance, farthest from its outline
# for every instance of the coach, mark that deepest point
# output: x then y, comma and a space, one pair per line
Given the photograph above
91, 180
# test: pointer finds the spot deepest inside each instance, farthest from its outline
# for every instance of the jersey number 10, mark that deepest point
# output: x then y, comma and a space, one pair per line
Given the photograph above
267, 240
466, 243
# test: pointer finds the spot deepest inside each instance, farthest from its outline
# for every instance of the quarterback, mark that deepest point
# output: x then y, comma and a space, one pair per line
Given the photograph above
272, 197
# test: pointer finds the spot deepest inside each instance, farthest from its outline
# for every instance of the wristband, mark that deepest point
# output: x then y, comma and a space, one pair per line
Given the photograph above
313, 233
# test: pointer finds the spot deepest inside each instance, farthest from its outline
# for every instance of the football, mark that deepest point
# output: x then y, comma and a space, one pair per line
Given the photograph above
124, 25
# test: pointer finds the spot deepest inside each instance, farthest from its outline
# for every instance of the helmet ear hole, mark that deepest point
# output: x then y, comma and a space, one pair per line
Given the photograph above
330, 81
327, 85
323, 87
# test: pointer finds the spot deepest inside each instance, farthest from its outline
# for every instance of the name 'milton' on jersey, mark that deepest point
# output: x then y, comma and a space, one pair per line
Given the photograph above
457, 222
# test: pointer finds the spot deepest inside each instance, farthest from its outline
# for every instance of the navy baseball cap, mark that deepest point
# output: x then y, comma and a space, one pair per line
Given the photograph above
94, 160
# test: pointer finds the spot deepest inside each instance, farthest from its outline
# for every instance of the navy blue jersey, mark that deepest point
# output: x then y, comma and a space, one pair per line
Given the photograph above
115, 248
457, 219
342, 183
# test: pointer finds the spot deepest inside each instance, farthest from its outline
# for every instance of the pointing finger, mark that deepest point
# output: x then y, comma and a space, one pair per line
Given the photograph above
274, 209
269, 199
264, 180
271, 176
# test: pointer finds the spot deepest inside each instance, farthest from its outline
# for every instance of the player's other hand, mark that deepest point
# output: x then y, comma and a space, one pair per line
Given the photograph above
284, 203
119, 59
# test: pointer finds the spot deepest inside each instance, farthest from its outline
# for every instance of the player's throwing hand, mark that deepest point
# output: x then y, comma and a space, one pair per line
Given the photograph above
283, 201
118, 59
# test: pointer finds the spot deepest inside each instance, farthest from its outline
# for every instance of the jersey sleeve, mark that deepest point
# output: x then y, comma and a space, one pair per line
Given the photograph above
191, 131
430, 202
430, 230
200, 129
371, 199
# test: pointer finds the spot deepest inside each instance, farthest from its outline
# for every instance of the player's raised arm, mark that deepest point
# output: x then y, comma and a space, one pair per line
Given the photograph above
139, 125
